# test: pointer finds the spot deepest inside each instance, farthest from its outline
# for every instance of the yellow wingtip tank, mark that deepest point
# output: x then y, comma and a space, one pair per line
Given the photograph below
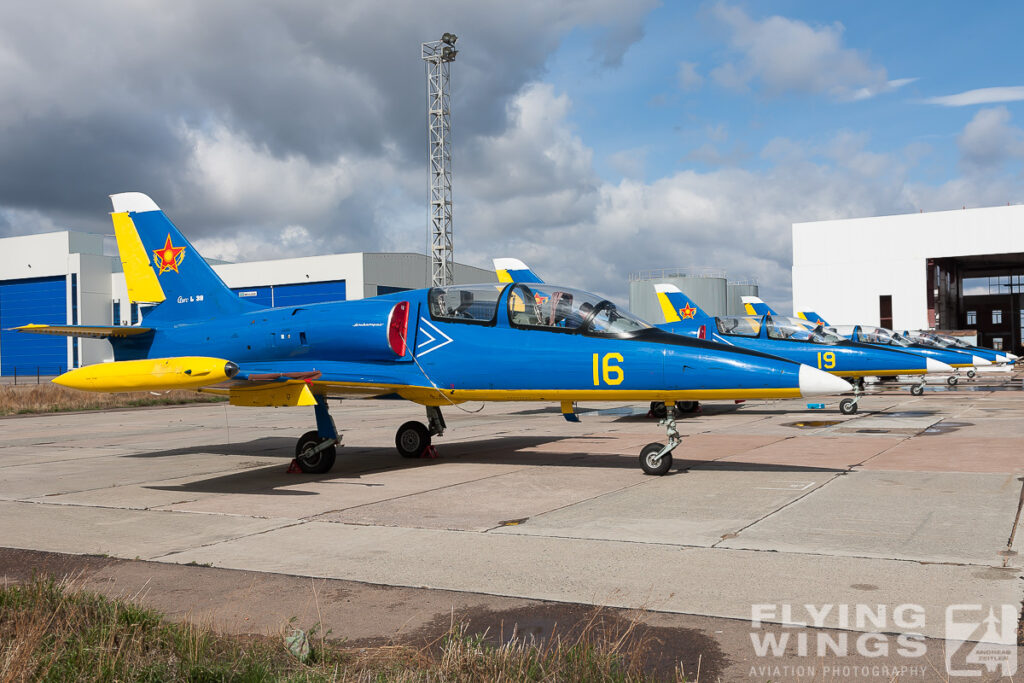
155, 374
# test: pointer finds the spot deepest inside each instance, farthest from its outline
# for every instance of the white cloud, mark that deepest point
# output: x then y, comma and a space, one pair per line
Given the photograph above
688, 78
989, 139
786, 55
1014, 93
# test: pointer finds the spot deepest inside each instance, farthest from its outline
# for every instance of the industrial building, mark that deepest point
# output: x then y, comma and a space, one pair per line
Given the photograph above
952, 270
66, 278
709, 289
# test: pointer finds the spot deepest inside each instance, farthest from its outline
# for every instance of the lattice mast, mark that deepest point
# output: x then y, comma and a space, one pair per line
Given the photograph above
438, 56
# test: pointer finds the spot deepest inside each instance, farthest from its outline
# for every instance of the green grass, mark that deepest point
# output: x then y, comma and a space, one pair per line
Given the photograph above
50, 631
51, 398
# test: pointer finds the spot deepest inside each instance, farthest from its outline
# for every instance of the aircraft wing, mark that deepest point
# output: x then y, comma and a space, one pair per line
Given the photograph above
291, 384
90, 331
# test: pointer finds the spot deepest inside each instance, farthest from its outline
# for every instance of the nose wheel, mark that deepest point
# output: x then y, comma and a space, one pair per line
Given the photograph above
848, 406
656, 458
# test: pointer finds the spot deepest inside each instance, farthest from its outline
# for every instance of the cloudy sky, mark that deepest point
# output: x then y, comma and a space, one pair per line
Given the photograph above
593, 138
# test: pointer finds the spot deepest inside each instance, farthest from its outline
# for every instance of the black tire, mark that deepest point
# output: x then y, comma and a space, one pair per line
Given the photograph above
952, 380
847, 406
658, 409
649, 467
971, 374
687, 406
916, 390
319, 462
411, 439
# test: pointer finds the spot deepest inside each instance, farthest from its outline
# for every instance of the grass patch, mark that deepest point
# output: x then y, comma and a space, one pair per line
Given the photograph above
51, 631
53, 398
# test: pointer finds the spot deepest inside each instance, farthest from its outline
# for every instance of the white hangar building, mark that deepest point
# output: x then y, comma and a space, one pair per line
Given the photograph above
952, 270
66, 278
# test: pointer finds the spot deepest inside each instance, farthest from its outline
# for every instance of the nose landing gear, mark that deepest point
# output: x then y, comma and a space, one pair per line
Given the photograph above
656, 458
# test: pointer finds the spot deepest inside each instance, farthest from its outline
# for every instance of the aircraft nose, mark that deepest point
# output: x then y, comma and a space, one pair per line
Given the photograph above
932, 365
814, 382
979, 361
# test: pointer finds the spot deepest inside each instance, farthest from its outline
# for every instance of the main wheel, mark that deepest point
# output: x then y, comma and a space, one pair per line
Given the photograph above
658, 409
847, 406
687, 406
971, 373
917, 390
654, 466
316, 463
411, 439
952, 380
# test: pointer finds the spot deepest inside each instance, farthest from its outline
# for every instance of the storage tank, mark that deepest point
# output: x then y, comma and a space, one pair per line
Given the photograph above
707, 288
737, 290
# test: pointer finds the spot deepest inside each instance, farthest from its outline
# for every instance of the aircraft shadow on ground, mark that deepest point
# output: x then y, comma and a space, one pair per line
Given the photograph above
356, 462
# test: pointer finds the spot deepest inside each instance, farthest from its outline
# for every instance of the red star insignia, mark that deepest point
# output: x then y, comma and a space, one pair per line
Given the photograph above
687, 312
539, 299
169, 257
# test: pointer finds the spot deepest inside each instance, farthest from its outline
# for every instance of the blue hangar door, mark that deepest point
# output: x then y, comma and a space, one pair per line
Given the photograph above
40, 300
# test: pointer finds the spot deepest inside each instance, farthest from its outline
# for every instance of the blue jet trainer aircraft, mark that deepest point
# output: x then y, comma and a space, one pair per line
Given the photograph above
774, 335
954, 344
885, 338
943, 340
795, 340
436, 347
922, 345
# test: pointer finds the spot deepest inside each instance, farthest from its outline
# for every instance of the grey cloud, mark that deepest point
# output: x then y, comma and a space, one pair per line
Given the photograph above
107, 96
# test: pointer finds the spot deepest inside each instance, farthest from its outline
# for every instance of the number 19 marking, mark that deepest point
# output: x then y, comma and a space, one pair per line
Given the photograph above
826, 360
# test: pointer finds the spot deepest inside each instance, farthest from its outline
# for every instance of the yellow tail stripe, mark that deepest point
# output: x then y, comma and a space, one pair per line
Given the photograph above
667, 309
138, 274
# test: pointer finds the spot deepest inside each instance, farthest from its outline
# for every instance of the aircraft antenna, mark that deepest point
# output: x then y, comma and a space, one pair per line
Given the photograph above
438, 56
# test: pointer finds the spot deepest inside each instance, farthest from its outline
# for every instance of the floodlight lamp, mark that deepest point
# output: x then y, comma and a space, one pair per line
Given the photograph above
449, 38
448, 54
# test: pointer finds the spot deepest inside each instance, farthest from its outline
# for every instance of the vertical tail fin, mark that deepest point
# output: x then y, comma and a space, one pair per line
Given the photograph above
677, 307
812, 317
162, 267
514, 270
754, 306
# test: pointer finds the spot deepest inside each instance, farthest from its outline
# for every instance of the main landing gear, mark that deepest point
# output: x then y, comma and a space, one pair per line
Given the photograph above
660, 410
413, 438
656, 458
315, 451
918, 389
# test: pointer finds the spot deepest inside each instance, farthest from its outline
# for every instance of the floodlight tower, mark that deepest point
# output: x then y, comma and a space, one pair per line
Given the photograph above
439, 55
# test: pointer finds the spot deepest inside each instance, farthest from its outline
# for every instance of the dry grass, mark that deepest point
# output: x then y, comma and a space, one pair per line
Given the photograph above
50, 631
53, 398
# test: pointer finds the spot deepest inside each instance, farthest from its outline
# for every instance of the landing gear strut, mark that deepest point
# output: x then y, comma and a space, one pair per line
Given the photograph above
848, 406
412, 438
656, 458
315, 451
918, 389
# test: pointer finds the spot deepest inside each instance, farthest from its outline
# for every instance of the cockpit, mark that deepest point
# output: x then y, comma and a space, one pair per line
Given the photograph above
534, 306
571, 310
739, 326
875, 335
776, 327
783, 327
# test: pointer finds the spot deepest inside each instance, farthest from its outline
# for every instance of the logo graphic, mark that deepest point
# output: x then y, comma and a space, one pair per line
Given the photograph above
169, 257
431, 343
976, 640
541, 300
687, 312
